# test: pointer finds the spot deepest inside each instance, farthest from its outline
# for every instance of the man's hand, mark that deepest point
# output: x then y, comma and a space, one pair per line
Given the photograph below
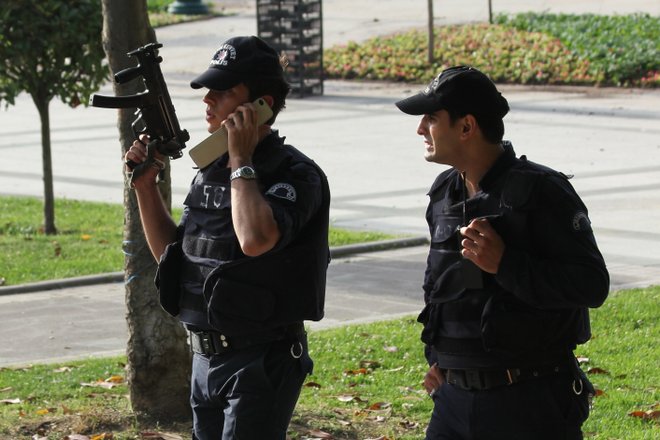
482, 245
433, 380
136, 155
243, 133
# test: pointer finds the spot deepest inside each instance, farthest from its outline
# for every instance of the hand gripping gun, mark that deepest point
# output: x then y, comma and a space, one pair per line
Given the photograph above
155, 112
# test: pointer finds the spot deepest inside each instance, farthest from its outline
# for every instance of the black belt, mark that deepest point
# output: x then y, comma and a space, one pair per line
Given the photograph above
214, 343
469, 379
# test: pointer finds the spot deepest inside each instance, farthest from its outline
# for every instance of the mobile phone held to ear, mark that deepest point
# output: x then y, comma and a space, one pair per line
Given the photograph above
214, 146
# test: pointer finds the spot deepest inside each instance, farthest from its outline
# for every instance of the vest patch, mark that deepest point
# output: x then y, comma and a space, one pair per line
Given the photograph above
283, 191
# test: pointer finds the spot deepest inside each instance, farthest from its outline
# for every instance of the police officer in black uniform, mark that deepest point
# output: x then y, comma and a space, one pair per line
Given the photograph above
512, 269
247, 262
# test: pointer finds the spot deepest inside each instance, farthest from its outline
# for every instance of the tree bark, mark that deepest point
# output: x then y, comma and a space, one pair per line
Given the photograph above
158, 368
47, 165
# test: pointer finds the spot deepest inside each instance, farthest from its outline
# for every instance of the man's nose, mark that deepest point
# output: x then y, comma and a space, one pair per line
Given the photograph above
421, 128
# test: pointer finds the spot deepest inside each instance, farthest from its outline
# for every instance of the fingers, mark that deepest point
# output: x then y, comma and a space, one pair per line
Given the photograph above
137, 153
242, 131
245, 116
482, 245
433, 379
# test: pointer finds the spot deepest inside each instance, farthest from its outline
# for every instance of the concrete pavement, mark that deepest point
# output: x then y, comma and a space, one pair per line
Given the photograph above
609, 139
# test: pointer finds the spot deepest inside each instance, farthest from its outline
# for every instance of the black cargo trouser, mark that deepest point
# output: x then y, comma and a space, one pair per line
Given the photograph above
250, 393
548, 408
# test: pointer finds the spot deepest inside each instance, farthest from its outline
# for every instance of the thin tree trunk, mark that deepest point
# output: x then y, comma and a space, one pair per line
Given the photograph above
158, 369
47, 164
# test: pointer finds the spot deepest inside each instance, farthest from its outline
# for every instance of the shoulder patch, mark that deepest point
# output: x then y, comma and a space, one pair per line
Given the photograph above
581, 222
283, 191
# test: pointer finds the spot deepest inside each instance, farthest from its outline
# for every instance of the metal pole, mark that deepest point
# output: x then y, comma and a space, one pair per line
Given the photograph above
431, 33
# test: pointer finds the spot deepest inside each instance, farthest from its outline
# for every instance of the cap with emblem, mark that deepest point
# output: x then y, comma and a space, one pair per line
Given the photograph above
461, 89
237, 59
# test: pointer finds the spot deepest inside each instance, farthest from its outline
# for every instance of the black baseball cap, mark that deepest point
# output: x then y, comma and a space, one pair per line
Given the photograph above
461, 89
237, 59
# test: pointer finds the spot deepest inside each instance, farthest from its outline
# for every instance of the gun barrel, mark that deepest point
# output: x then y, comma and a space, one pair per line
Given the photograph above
130, 101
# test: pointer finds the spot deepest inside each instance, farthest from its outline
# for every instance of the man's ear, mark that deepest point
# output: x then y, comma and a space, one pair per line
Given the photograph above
468, 126
269, 100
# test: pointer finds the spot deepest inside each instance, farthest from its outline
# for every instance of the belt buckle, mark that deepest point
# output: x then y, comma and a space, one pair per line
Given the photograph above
473, 380
207, 343
512, 375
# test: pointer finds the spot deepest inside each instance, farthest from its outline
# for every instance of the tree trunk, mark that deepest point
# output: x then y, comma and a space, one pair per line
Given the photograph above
42, 105
158, 369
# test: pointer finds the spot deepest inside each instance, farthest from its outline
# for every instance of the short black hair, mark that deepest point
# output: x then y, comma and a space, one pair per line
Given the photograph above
491, 125
277, 87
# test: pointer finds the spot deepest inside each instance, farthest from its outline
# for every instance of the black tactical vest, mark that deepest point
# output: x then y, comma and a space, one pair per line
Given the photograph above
236, 294
468, 315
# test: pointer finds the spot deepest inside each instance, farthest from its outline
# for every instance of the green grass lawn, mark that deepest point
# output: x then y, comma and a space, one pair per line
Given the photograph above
366, 384
89, 239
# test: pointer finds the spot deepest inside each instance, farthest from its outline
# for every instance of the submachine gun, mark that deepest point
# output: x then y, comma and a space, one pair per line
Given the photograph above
155, 112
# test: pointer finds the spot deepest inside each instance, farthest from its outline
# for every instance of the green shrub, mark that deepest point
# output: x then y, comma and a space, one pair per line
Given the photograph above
521, 49
158, 5
622, 50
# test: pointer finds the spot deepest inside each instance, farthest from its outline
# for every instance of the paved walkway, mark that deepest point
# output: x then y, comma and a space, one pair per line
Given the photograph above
609, 139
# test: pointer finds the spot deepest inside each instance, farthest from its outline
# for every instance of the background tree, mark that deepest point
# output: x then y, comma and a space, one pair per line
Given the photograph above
158, 369
48, 49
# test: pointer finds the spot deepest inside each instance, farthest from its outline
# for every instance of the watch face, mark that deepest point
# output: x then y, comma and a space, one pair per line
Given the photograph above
244, 172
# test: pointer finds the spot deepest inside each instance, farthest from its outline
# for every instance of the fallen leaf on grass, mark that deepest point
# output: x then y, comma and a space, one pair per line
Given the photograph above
76, 437
115, 379
391, 349
379, 406
646, 415
596, 370
108, 383
57, 248
10, 401
85, 237
582, 359
160, 436
317, 434
369, 364
406, 424
99, 384
349, 398
392, 370
313, 385
63, 370
44, 411
356, 372
4, 390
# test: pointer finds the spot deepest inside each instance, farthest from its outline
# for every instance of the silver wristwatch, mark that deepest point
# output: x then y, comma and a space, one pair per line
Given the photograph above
244, 172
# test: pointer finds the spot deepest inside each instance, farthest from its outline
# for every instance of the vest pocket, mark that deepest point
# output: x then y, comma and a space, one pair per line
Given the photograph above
167, 278
511, 328
235, 307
